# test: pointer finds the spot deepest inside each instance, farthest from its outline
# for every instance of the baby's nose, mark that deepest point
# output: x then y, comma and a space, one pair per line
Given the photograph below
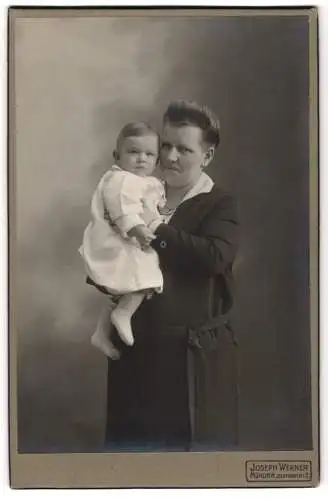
142, 156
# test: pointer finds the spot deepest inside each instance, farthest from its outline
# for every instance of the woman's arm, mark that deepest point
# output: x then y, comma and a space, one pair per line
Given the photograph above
211, 251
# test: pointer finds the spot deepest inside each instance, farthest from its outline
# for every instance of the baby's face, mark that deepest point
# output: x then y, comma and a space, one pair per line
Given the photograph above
138, 155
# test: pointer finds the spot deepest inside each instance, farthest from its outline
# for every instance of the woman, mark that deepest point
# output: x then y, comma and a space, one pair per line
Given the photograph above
177, 387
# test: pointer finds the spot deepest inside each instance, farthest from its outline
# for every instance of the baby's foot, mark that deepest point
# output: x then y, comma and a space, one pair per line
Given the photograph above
106, 346
122, 323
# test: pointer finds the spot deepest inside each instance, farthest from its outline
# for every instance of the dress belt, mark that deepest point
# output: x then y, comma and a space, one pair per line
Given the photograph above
195, 332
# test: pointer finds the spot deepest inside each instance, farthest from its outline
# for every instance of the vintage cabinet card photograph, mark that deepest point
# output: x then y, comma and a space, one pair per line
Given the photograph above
163, 247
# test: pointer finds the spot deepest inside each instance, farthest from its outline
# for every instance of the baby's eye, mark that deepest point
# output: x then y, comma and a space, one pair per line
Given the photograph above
150, 153
184, 150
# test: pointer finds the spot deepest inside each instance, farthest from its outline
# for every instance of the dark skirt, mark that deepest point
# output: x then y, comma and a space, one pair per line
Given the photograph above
176, 388
171, 392
147, 402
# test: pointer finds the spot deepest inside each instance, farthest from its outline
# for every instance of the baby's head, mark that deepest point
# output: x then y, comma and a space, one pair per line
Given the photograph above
137, 149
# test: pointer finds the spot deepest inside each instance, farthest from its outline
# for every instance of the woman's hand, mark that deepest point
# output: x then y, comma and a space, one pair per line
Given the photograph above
143, 235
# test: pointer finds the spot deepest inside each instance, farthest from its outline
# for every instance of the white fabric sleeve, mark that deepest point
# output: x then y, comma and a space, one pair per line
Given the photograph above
122, 196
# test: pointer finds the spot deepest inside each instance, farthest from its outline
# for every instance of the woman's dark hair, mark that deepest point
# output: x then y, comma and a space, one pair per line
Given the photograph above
183, 112
134, 129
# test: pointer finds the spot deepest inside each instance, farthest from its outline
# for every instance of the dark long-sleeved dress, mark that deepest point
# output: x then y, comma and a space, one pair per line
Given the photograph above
177, 387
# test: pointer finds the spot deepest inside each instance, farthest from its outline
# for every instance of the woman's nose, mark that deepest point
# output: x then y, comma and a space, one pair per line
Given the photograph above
173, 155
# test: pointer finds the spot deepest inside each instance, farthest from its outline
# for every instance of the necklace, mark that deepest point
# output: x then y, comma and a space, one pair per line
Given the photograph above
166, 213
166, 210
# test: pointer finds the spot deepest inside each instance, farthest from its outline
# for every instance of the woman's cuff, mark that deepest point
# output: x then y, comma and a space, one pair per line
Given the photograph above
153, 225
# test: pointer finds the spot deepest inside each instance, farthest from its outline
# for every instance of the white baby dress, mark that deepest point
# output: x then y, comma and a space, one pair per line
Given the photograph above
121, 201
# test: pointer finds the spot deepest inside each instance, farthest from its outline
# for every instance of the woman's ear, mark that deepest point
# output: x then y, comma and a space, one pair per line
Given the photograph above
208, 156
115, 155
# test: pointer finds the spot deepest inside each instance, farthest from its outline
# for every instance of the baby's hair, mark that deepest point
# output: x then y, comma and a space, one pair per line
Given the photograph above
182, 112
134, 129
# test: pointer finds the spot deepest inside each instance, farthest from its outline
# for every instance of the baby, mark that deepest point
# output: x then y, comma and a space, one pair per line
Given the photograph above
116, 243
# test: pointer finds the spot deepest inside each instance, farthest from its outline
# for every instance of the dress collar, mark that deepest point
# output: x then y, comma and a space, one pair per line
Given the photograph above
203, 185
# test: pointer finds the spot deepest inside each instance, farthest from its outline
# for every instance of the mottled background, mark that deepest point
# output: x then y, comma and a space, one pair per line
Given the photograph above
77, 82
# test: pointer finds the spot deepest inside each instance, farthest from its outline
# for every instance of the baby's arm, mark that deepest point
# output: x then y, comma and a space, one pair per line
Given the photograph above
122, 199
123, 202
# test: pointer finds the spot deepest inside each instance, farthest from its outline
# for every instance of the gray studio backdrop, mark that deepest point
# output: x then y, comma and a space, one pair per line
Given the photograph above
77, 82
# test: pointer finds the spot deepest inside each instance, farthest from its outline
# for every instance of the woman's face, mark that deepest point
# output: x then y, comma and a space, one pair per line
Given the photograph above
183, 154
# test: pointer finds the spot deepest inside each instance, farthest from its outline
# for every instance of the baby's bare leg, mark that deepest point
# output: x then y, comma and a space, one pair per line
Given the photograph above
102, 336
122, 314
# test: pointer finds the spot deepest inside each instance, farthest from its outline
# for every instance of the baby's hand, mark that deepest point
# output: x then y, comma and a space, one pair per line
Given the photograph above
143, 235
